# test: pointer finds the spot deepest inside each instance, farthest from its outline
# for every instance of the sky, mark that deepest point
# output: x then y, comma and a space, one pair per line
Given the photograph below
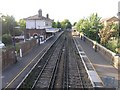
74, 10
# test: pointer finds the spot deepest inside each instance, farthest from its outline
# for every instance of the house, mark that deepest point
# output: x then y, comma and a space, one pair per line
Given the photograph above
109, 31
2, 44
36, 25
107, 21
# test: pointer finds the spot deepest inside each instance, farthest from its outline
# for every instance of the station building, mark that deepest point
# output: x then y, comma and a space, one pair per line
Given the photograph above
39, 26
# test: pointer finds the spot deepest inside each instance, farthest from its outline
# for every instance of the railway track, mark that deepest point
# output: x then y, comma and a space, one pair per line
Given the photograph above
47, 75
93, 76
74, 76
77, 73
32, 77
60, 67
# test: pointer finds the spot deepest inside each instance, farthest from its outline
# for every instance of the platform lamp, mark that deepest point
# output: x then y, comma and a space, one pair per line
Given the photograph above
14, 43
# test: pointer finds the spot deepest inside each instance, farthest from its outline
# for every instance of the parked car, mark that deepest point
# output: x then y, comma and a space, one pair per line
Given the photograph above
2, 44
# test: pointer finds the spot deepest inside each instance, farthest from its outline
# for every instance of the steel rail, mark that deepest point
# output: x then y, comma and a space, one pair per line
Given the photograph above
18, 86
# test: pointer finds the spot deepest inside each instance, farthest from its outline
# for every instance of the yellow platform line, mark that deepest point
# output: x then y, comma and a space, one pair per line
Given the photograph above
23, 69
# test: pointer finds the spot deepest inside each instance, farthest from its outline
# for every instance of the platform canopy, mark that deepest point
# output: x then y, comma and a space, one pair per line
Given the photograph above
52, 30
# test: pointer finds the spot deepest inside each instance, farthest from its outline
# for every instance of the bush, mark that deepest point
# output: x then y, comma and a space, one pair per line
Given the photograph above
7, 39
112, 45
18, 32
17, 47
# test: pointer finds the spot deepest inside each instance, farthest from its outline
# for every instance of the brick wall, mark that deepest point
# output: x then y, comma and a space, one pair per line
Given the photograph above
8, 57
27, 46
31, 32
112, 58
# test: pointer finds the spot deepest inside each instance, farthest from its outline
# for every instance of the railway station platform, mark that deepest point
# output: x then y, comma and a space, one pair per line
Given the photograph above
108, 74
12, 75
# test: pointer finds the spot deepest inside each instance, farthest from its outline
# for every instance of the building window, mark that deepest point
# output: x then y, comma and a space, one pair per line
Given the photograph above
46, 24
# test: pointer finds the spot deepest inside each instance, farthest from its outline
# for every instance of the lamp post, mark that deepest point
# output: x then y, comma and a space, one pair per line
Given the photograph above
118, 14
1, 26
14, 44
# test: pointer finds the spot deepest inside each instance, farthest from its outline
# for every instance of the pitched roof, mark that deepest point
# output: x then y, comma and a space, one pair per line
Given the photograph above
107, 19
36, 17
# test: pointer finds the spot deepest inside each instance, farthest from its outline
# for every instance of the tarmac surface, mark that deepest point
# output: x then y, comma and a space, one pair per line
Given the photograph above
105, 70
14, 74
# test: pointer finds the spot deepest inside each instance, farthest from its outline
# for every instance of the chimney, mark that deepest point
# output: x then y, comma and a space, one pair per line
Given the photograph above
39, 13
47, 15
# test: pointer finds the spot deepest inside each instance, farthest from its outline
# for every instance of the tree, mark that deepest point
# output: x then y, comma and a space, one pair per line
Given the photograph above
66, 24
74, 23
17, 31
54, 24
95, 26
22, 24
58, 24
7, 39
80, 25
63, 25
8, 24
111, 30
90, 26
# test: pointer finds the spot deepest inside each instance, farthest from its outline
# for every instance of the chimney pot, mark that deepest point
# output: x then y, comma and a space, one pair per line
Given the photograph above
47, 15
39, 13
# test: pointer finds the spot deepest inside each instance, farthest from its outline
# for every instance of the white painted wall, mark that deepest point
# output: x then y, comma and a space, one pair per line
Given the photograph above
40, 24
30, 24
48, 24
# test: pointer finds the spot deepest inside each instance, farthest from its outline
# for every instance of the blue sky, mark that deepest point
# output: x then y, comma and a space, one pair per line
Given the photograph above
59, 9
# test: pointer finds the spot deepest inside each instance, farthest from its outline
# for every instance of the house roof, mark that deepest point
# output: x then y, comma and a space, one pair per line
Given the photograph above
110, 18
107, 19
36, 17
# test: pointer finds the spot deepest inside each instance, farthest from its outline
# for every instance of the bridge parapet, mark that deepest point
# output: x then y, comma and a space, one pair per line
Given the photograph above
112, 57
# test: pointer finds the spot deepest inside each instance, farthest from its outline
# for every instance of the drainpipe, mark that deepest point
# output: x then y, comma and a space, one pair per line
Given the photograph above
35, 24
